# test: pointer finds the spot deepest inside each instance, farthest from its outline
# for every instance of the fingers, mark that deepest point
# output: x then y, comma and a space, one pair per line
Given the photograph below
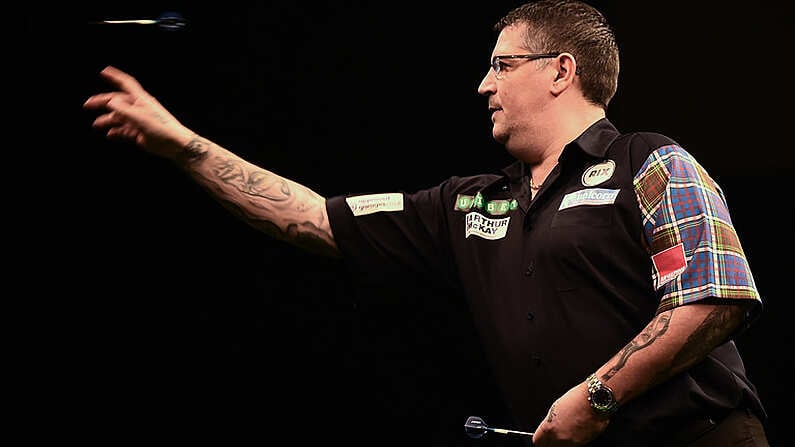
113, 127
110, 119
98, 101
122, 80
123, 132
116, 120
109, 101
129, 88
117, 105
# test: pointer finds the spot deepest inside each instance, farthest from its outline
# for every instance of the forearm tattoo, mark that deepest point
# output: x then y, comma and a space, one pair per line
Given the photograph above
553, 412
260, 198
657, 327
195, 150
711, 332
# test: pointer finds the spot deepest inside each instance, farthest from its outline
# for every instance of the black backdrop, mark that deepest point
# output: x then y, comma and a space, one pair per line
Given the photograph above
156, 315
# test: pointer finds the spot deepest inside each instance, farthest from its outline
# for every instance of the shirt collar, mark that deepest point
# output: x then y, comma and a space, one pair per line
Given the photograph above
594, 141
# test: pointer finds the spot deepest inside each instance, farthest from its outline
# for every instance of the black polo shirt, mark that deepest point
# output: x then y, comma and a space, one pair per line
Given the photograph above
624, 227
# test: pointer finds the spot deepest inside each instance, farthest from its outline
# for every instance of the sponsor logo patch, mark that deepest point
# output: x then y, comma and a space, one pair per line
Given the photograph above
494, 207
668, 264
591, 196
598, 173
500, 207
482, 226
464, 202
373, 203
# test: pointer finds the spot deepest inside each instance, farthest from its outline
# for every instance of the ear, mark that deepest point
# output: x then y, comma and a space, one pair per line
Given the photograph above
566, 68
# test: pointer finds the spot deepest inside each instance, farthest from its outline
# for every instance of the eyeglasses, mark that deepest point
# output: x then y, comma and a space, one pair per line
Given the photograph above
498, 65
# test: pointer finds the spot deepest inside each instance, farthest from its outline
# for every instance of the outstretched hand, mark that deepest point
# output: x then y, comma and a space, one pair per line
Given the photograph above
133, 114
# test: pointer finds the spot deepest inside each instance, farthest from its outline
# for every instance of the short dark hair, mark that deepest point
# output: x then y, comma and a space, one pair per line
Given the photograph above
574, 27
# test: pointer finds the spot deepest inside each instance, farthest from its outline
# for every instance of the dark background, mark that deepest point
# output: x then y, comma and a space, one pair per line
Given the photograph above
155, 315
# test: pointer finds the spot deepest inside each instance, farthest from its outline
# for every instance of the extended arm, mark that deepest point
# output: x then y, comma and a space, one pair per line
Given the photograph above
278, 206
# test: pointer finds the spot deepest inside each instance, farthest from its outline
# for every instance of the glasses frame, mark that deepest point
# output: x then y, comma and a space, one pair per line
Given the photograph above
495, 61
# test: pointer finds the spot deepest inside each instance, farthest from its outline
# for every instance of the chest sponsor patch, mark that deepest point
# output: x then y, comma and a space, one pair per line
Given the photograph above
598, 173
668, 264
487, 228
494, 207
373, 203
590, 196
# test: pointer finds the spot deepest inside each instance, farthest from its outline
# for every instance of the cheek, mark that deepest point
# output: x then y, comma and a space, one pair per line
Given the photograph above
515, 100
515, 110
524, 100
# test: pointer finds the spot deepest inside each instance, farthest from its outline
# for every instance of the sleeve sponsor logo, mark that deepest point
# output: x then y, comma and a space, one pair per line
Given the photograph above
482, 226
591, 196
668, 264
598, 173
373, 203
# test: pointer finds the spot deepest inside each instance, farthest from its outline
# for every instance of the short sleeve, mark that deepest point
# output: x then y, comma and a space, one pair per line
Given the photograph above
383, 236
695, 251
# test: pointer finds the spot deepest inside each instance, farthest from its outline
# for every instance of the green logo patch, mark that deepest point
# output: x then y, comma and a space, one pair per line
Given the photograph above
494, 207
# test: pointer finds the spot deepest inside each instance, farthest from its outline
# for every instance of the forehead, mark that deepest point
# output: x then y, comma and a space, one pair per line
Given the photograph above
510, 40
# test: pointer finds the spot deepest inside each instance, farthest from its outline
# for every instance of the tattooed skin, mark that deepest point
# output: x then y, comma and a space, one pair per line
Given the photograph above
653, 331
262, 195
258, 183
711, 332
553, 412
195, 150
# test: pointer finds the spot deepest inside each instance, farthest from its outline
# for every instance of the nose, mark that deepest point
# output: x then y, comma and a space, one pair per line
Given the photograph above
488, 84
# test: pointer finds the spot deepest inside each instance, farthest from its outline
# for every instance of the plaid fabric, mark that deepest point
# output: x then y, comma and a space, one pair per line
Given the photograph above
682, 204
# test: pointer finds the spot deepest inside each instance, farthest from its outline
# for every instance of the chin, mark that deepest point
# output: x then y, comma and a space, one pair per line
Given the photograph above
513, 150
501, 138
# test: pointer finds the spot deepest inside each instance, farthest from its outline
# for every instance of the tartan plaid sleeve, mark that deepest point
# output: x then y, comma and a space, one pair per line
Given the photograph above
694, 248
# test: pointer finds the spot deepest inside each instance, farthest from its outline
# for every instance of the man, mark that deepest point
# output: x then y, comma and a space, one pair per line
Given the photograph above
602, 268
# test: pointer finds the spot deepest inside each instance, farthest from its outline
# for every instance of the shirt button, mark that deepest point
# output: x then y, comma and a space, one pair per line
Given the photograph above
536, 360
530, 316
530, 269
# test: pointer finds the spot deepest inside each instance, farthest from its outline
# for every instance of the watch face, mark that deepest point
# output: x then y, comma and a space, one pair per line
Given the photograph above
601, 397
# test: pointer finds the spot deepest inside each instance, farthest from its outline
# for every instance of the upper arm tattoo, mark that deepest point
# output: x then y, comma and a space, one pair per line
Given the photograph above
713, 331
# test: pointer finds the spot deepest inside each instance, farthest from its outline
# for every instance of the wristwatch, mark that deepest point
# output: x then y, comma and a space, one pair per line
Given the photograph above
600, 396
